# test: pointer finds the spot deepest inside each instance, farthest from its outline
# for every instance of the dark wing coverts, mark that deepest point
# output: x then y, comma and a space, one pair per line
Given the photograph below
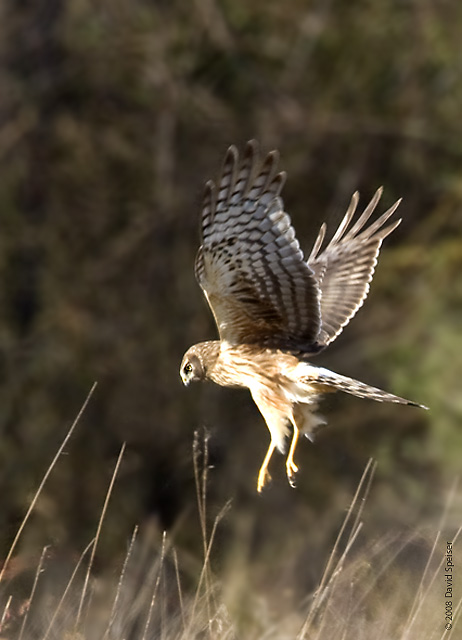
253, 273
250, 265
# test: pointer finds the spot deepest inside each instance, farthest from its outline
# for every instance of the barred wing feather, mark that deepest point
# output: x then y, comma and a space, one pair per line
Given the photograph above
344, 269
250, 266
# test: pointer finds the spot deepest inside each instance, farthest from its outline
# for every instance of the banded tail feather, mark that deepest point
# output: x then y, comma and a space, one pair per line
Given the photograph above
359, 389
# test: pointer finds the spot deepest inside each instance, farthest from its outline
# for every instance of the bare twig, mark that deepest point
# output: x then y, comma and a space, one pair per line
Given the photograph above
329, 573
119, 585
5, 611
98, 532
156, 587
34, 587
66, 590
44, 480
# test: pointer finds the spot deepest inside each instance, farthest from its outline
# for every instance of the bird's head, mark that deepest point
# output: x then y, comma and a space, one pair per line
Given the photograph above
192, 367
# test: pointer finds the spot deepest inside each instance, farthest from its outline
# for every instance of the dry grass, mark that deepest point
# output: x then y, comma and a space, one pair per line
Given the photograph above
367, 590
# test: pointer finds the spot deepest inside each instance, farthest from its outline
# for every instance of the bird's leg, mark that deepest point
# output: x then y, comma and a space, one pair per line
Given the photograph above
263, 475
291, 467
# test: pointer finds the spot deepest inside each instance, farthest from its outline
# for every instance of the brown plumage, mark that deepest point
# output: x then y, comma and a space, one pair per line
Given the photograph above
273, 308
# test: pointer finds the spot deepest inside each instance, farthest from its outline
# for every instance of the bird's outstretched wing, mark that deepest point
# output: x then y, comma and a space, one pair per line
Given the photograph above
345, 267
250, 266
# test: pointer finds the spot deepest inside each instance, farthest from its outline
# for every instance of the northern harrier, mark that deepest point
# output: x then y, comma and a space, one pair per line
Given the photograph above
274, 309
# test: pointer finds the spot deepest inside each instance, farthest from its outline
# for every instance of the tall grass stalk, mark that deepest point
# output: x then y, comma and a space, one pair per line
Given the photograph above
148, 599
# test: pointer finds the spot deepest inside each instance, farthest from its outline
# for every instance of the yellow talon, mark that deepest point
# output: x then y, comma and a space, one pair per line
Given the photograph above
263, 475
291, 467
291, 470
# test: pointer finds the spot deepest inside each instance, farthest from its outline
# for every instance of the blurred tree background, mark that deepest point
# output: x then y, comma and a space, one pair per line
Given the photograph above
113, 115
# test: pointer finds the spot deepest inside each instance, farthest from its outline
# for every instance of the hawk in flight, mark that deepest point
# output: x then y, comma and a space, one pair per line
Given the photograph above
273, 308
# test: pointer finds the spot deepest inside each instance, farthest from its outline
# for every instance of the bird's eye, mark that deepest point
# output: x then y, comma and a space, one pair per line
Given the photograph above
187, 367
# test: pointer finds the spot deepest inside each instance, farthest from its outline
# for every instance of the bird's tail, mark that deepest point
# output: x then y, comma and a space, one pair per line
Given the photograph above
356, 388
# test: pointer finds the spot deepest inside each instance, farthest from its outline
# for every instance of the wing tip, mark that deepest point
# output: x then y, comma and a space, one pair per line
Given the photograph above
280, 180
273, 155
269, 166
251, 148
209, 188
232, 154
